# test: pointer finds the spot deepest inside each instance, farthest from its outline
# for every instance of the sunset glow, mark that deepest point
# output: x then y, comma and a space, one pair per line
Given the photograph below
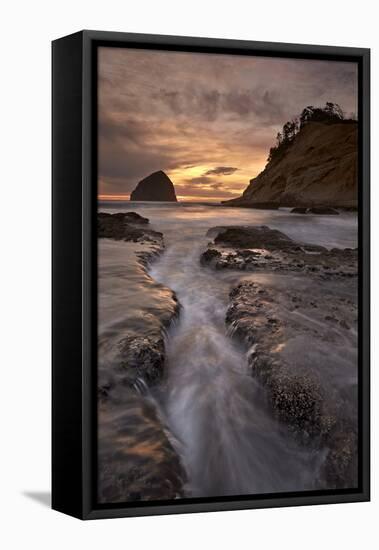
208, 121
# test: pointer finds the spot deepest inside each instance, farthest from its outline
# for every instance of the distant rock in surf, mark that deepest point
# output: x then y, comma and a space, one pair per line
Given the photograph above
156, 187
299, 210
323, 210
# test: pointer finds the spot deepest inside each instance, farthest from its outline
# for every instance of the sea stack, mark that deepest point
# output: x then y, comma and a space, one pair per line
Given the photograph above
156, 187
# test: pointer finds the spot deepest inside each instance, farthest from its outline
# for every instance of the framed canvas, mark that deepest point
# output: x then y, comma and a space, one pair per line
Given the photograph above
210, 275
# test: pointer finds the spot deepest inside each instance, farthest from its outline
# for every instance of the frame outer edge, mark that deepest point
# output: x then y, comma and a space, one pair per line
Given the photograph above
365, 283
66, 274
87, 238
89, 38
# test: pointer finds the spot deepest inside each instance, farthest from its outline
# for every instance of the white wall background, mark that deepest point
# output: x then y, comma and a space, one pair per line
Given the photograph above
27, 29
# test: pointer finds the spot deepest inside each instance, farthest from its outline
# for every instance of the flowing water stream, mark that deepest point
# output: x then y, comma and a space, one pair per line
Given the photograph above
228, 437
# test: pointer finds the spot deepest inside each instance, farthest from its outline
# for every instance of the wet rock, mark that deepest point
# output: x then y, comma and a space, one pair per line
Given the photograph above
127, 226
137, 458
137, 455
142, 357
324, 210
210, 256
137, 354
260, 248
128, 217
134, 349
254, 237
299, 210
146, 257
341, 464
295, 396
286, 339
142, 235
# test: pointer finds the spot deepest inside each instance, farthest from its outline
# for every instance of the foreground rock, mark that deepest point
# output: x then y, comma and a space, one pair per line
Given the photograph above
287, 334
135, 351
156, 187
137, 460
319, 168
136, 356
260, 248
127, 217
127, 226
137, 457
254, 237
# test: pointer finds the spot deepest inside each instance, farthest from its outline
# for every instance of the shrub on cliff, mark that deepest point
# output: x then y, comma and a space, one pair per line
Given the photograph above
330, 114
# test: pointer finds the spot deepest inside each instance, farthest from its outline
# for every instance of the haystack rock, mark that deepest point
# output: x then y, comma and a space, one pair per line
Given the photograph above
156, 187
318, 169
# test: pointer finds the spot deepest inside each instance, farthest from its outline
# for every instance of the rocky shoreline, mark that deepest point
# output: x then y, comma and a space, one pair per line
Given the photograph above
288, 310
140, 354
137, 457
262, 249
286, 329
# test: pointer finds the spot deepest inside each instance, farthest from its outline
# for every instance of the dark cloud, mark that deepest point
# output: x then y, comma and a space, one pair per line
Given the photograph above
125, 168
122, 130
204, 186
221, 171
201, 103
129, 151
264, 104
211, 104
200, 180
216, 185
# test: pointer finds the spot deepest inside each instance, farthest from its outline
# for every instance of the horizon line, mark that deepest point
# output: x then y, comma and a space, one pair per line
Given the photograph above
180, 198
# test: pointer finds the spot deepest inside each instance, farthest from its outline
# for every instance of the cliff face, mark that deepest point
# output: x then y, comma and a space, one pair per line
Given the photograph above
319, 168
156, 187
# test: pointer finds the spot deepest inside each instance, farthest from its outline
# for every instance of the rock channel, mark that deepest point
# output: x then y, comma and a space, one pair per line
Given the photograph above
300, 335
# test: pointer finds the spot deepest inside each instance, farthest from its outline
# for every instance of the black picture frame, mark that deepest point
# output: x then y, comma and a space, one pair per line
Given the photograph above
74, 294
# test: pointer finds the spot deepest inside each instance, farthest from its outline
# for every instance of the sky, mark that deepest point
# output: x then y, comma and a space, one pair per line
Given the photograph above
207, 120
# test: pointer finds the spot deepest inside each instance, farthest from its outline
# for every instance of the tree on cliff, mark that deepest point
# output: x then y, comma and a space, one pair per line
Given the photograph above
290, 129
330, 114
